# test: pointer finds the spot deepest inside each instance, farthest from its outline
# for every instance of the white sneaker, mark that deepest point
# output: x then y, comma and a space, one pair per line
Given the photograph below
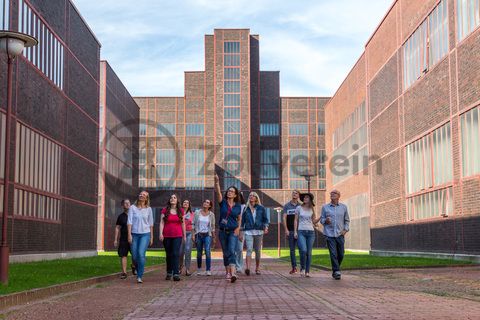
139, 280
208, 273
302, 273
200, 273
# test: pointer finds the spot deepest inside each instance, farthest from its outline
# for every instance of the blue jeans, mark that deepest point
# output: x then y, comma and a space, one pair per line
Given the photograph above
336, 247
228, 241
186, 251
239, 255
172, 250
292, 243
306, 238
203, 241
140, 242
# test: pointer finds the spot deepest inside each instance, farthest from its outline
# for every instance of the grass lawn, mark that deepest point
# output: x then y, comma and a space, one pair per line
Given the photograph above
361, 260
31, 275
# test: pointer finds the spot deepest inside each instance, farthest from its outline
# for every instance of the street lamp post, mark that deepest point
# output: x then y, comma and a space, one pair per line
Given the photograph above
279, 211
308, 176
12, 43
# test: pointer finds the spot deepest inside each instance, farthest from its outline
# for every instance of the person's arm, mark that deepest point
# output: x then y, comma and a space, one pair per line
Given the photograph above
218, 192
237, 230
323, 216
266, 221
195, 217
129, 224
184, 230
295, 224
346, 222
117, 234
150, 222
162, 224
284, 221
315, 218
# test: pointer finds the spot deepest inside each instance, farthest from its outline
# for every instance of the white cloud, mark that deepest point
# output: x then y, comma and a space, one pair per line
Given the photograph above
312, 43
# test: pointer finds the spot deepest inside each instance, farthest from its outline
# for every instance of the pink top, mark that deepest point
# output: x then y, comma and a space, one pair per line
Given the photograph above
173, 227
188, 221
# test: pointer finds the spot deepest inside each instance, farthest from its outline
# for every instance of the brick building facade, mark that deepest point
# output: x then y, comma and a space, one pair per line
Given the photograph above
118, 154
418, 80
54, 145
231, 121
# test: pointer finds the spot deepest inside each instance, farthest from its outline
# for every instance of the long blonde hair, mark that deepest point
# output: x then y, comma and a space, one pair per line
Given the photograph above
147, 201
253, 193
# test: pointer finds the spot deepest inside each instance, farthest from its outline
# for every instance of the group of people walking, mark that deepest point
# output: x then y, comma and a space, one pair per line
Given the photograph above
240, 224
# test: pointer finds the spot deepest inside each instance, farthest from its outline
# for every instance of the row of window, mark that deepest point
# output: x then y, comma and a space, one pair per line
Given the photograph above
48, 55
118, 169
358, 206
5, 14
350, 165
470, 128
169, 129
426, 46
294, 129
429, 160
38, 161
270, 169
468, 17
34, 205
355, 141
354, 121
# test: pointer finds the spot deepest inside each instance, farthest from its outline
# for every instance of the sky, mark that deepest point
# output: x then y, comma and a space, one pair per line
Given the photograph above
313, 43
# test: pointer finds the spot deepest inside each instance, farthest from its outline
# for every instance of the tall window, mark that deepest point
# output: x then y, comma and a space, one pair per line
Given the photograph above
166, 129
195, 129
429, 167
321, 129
322, 171
165, 168
48, 55
269, 129
38, 166
470, 142
270, 169
468, 17
298, 129
5, 14
426, 46
231, 103
298, 160
194, 168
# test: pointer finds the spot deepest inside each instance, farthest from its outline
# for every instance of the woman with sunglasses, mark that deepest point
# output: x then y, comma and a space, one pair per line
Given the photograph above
229, 226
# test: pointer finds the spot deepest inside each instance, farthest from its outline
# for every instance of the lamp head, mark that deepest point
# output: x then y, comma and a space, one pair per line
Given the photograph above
12, 43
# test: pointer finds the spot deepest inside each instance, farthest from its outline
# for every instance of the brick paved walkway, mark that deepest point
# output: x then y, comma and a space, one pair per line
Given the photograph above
276, 295
447, 293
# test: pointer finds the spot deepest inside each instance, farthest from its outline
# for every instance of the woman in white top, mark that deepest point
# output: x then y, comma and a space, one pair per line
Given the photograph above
140, 230
305, 220
203, 234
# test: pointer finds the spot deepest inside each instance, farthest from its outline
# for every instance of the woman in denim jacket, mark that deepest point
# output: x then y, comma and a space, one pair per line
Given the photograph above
254, 226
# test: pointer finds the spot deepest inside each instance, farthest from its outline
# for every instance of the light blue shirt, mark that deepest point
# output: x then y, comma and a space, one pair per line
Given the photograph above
339, 219
140, 219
